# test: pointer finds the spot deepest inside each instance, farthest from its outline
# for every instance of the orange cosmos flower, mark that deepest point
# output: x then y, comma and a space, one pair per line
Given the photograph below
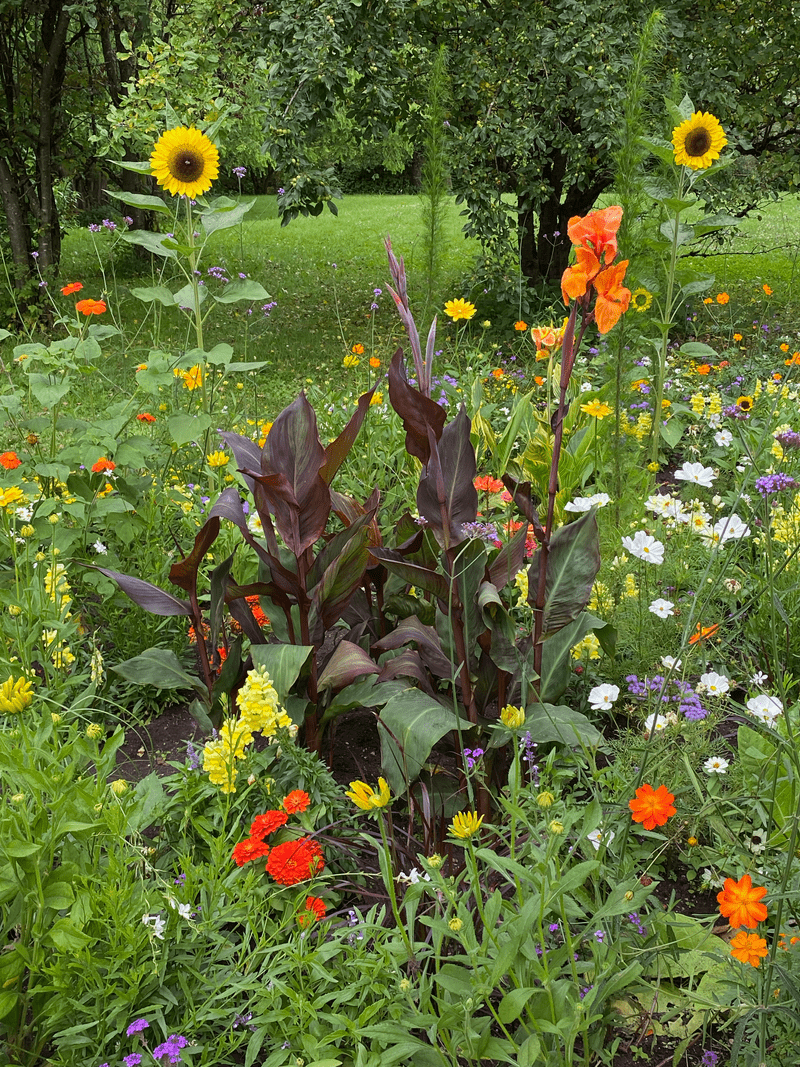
10, 460
103, 464
91, 307
539, 379
739, 902
767, 290
297, 800
703, 632
612, 296
794, 358
651, 807
737, 337
749, 948
597, 231
73, 287
521, 326
704, 368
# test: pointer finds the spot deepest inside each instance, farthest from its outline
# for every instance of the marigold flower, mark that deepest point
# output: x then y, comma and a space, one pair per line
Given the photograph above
767, 290
651, 807
465, 824
268, 823
365, 797
739, 902
145, 416
737, 337
314, 912
358, 349
749, 948
374, 362
15, 695
103, 464
520, 326
459, 309
73, 287
295, 861
251, 849
297, 800
91, 307
10, 460
722, 298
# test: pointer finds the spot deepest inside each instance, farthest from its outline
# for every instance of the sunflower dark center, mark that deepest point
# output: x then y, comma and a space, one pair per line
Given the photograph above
187, 165
698, 142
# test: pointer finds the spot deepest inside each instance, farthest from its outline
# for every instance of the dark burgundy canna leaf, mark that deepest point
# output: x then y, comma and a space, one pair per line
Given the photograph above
454, 478
417, 412
336, 452
147, 596
348, 663
184, 572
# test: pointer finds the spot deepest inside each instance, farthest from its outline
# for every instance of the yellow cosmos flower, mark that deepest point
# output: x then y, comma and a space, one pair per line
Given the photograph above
698, 141
598, 409
465, 824
193, 378
185, 162
15, 695
217, 459
641, 299
459, 309
365, 797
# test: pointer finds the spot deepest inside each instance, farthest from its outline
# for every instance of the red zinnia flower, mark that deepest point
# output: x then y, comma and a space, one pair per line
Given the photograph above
268, 823
146, 417
91, 307
314, 911
10, 460
248, 850
297, 800
73, 287
651, 807
103, 464
295, 861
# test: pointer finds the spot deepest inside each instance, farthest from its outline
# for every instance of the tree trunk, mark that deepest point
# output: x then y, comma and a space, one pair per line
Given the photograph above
54, 38
19, 233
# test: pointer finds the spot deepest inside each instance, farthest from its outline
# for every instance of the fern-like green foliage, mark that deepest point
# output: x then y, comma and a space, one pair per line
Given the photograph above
435, 176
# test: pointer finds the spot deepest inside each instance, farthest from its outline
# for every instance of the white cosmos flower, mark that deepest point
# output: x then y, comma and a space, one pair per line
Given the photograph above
600, 837
603, 696
645, 547
671, 663
662, 608
716, 685
758, 679
586, 503
157, 923
658, 503
765, 708
654, 724
716, 765
731, 528
697, 474
723, 438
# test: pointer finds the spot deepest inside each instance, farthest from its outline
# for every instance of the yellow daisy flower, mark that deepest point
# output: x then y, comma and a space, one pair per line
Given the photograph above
459, 309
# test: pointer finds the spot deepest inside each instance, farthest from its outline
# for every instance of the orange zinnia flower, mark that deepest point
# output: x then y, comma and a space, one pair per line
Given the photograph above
739, 902
597, 231
146, 417
651, 807
612, 296
295, 861
103, 464
267, 823
251, 849
10, 460
749, 948
90, 307
703, 632
73, 287
314, 912
297, 800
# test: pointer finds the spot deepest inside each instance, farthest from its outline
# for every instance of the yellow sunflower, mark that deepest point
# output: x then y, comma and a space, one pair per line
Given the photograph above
698, 141
185, 162
459, 309
641, 299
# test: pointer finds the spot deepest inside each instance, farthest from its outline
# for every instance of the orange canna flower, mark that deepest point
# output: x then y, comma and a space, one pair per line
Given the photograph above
73, 287
739, 902
543, 336
90, 307
651, 807
612, 296
597, 231
487, 484
749, 948
576, 279
703, 632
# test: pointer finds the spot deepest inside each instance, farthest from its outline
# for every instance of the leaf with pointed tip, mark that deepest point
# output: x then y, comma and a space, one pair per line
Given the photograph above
572, 566
407, 665
556, 665
141, 200
336, 452
159, 667
410, 724
247, 453
184, 572
416, 411
284, 664
349, 511
429, 580
341, 578
456, 461
218, 581
146, 595
550, 722
503, 652
427, 641
509, 560
334, 547
348, 663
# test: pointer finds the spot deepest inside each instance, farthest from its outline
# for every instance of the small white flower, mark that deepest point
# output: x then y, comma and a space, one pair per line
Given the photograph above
413, 877
712, 880
662, 608
100, 548
765, 708
723, 438
602, 697
759, 678
758, 842
671, 663
697, 474
716, 765
158, 924
645, 547
659, 503
586, 503
254, 524
600, 837
586, 387
184, 910
655, 724
716, 685
733, 585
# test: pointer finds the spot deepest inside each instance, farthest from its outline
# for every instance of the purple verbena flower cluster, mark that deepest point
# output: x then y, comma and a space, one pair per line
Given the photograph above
219, 274
676, 691
787, 439
774, 483
171, 1047
483, 531
634, 918
472, 755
